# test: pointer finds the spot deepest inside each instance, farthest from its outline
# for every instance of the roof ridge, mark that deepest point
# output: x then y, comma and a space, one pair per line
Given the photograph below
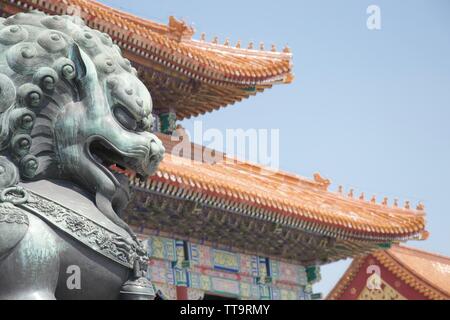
245, 52
406, 269
346, 278
317, 181
421, 252
143, 21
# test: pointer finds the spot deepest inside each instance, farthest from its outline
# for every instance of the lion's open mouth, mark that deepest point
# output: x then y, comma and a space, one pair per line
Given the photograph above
106, 156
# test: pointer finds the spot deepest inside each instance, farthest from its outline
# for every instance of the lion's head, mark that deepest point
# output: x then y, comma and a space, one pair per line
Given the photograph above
70, 106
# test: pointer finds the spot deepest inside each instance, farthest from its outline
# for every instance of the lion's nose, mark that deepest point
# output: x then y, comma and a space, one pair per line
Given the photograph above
156, 154
156, 147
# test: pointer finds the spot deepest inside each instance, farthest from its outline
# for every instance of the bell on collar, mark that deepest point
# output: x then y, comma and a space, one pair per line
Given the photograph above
137, 289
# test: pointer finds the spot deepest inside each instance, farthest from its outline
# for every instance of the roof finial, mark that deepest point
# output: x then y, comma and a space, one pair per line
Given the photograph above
273, 48
319, 179
385, 201
238, 44
407, 205
227, 42
287, 49
350, 193
395, 203
261, 46
180, 29
362, 196
420, 206
203, 36
250, 45
340, 189
215, 40
373, 199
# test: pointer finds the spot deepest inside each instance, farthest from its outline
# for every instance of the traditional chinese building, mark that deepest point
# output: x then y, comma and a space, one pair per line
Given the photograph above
229, 228
400, 273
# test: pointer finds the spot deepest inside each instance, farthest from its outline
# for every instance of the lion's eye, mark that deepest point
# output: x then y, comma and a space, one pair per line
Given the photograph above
125, 118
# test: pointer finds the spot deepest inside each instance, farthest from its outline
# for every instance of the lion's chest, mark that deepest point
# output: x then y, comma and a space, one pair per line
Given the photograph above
84, 274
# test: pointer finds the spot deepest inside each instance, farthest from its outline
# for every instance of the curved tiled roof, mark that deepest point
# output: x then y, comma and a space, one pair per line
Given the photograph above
422, 270
190, 76
283, 197
425, 272
173, 44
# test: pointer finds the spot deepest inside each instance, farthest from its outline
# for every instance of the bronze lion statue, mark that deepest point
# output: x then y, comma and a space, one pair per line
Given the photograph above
70, 107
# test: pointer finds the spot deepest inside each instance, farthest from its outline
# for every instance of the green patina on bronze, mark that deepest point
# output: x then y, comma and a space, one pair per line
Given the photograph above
70, 104
70, 107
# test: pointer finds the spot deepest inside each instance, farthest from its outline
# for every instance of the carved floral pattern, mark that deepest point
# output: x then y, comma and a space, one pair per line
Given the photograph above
96, 237
10, 214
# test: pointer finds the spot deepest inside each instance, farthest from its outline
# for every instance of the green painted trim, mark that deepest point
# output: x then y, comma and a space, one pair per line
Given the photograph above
316, 296
250, 89
386, 245
168, 122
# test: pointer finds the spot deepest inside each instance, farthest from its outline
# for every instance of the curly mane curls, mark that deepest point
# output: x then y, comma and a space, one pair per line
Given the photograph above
38, 76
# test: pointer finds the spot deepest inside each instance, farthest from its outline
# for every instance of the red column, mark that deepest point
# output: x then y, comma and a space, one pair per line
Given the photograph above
182, 293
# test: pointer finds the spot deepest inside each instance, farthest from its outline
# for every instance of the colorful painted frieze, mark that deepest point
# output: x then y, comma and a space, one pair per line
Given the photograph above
200, 255
161, 248
283, 294
161, 271
168, 292
203, 269
288, 273
249, 291
225, 286
224, 260
195, 294
249, 265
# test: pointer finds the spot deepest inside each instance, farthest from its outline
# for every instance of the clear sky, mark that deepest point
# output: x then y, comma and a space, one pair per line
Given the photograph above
368, 109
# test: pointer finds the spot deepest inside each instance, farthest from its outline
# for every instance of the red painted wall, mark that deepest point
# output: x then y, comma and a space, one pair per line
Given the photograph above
359, 282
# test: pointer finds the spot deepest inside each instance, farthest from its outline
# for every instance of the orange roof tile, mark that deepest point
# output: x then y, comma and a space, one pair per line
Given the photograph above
173, 44
203, 76
285, 197
426, 272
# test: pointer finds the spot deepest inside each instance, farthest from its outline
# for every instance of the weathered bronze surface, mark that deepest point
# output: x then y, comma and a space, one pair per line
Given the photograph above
70, 106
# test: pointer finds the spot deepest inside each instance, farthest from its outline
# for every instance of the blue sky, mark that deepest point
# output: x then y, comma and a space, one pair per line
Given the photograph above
368, 109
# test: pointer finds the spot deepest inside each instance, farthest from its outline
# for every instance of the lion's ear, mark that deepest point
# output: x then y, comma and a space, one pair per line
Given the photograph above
80, 66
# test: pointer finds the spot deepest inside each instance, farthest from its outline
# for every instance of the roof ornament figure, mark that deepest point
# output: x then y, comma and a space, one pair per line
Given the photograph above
180, 30
407, 205
350, 194
321, 180
420, 206
395, 205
